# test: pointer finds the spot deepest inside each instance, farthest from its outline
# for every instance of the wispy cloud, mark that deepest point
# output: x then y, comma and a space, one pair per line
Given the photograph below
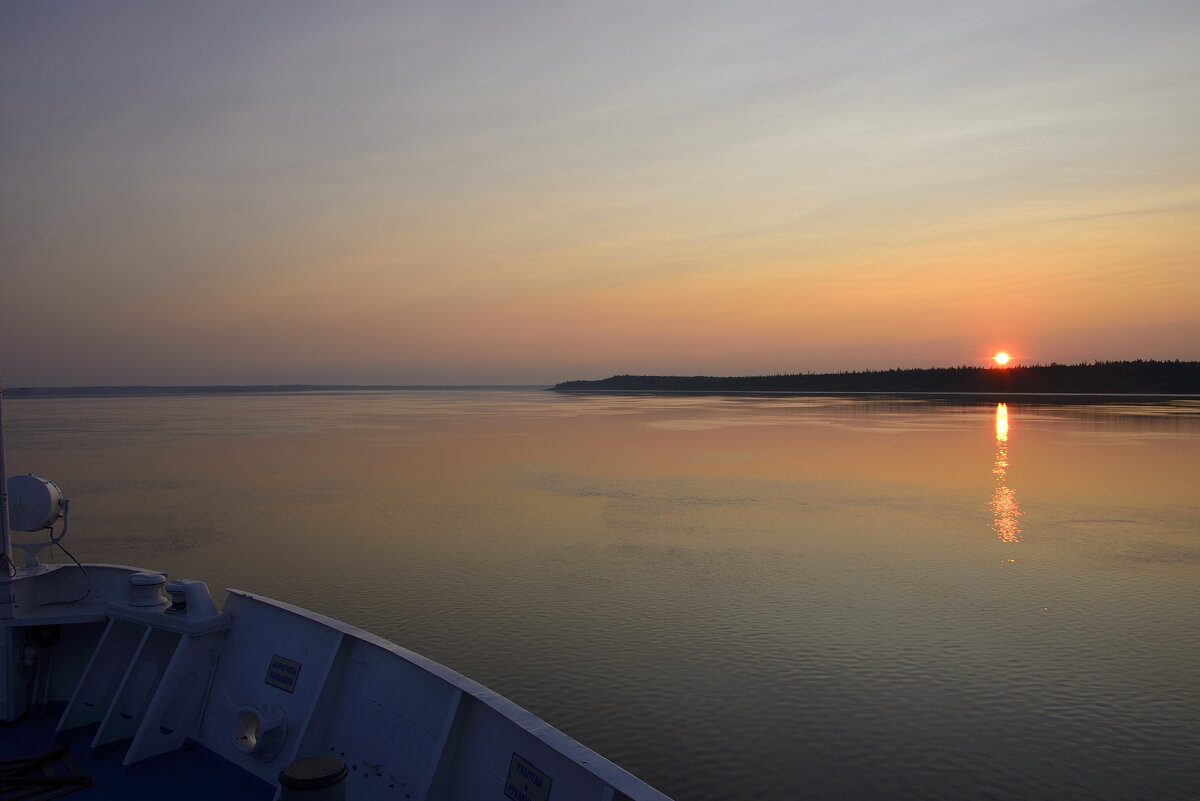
785, 186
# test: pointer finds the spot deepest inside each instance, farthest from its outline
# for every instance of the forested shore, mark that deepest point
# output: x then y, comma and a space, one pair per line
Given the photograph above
1141, 377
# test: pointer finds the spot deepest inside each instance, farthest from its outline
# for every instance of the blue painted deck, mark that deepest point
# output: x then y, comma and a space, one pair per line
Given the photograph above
191, 774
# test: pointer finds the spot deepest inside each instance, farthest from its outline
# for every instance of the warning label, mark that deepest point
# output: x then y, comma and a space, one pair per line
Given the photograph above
283, 673
525, 782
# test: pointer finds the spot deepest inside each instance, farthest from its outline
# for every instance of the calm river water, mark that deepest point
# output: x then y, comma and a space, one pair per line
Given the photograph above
734, 598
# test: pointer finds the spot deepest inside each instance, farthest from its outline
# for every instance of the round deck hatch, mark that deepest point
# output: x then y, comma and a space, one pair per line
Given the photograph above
313, 773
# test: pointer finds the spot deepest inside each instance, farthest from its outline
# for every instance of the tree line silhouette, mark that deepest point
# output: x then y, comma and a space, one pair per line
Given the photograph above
1140, 377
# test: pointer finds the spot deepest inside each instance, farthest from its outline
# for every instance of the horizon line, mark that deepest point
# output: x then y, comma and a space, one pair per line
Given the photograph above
317, 387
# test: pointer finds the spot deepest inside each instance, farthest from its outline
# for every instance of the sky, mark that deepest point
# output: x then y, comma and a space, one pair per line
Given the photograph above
530, 192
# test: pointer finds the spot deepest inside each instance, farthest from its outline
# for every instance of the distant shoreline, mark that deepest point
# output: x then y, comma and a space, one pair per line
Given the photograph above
257, 389
1054, 382
1135, 379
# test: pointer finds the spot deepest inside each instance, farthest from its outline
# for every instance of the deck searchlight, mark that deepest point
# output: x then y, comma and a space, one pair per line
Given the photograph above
27, 503
35, 504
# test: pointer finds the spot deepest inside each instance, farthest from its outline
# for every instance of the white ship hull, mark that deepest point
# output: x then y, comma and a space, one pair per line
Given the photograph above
261, 683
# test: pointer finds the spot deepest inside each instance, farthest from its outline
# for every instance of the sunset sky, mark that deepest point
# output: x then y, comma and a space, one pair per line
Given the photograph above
529, 192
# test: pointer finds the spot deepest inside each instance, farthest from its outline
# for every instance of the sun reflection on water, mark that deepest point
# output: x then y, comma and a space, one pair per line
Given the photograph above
1004, 500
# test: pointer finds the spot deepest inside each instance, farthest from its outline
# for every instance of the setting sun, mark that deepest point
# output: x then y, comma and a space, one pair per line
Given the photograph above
1001, 358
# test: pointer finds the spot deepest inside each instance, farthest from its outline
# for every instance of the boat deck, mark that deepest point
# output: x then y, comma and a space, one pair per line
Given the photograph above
198, 703
191, 774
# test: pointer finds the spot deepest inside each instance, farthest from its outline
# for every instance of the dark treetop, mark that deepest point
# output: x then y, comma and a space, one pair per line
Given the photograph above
1098, 378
